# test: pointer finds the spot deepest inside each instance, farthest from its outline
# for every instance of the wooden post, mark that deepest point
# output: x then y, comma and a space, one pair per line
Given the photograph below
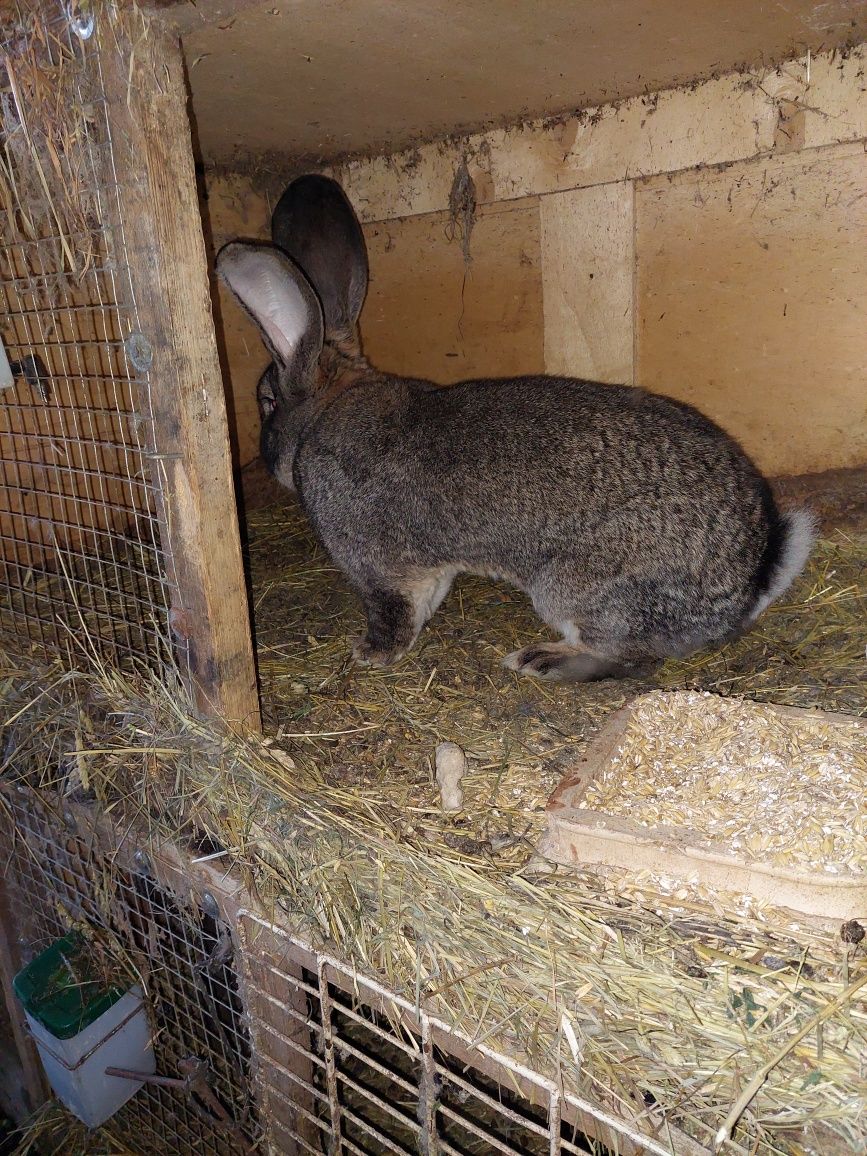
161, 230
33, 1089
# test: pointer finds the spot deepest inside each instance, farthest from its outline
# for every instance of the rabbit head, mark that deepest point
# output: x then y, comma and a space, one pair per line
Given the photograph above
305, 293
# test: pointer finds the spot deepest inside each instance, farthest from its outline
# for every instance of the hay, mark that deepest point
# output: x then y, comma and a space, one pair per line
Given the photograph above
52, 1131
377, 731
49, 193
668, 1007
336, 822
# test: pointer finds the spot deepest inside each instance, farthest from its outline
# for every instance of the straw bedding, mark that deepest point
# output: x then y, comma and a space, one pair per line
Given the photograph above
377, 731
335, 820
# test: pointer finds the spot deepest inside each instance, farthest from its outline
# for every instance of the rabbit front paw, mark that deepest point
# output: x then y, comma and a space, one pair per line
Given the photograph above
364, 651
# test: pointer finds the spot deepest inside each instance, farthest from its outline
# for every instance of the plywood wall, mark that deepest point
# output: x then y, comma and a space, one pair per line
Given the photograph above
706, 242
750, 292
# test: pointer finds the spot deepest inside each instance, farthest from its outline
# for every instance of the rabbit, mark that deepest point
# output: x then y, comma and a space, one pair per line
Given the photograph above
637, 527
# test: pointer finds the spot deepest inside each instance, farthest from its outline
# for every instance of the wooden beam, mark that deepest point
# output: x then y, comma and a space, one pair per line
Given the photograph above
161, 229
183, 16
33, 1089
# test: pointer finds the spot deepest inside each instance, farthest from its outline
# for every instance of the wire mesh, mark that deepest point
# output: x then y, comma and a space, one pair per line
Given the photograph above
304, 1054
55, 878
344, 1065
82, 569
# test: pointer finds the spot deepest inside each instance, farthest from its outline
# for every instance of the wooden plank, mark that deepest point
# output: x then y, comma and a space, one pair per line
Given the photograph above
184, 16
33, 1088
162, 229
750, 291
587, 273
719, 121
428, 314
835, 96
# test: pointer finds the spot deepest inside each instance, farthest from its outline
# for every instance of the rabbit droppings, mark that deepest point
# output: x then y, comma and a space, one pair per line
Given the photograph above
639, 529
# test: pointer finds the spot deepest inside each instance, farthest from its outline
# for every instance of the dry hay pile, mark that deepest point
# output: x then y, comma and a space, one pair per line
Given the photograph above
641, 1007
52, 1131
50, 180
335, 822
376, 731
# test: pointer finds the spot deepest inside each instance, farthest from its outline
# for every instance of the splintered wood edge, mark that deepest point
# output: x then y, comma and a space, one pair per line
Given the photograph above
573, 786
613, 841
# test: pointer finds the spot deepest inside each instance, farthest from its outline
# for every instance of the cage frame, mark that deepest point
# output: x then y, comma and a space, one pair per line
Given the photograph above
155, 222
193, 447
268, 941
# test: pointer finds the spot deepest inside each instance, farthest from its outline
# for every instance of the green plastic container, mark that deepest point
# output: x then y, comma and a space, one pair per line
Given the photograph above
61, 990
83, 1023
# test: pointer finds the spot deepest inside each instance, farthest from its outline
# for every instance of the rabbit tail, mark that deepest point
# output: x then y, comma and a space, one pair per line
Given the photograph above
788, 551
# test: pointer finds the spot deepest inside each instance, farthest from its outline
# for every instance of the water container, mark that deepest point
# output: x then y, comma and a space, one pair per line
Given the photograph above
83, 1024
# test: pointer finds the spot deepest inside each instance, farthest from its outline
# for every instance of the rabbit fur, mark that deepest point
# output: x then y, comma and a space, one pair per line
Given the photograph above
638, 528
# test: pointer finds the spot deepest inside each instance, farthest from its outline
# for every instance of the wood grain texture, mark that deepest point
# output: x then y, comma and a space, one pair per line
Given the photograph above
720, 121
587, 267
163, 231
751, 284
428, 314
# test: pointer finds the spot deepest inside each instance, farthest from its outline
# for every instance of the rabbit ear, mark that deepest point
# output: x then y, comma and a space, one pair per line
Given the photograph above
316, 225
280, 300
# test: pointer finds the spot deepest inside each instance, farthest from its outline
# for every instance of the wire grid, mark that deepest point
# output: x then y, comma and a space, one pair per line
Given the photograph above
346, 1066
56, 878
81, 563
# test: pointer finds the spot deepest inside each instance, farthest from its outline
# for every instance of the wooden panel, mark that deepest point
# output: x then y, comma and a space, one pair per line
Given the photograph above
192, 466
31, 1088
835, 98
428, 315
587, 267
751, 289
717, 121
327, 78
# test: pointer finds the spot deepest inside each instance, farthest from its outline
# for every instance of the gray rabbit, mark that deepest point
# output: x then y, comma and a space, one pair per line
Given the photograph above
638, 528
